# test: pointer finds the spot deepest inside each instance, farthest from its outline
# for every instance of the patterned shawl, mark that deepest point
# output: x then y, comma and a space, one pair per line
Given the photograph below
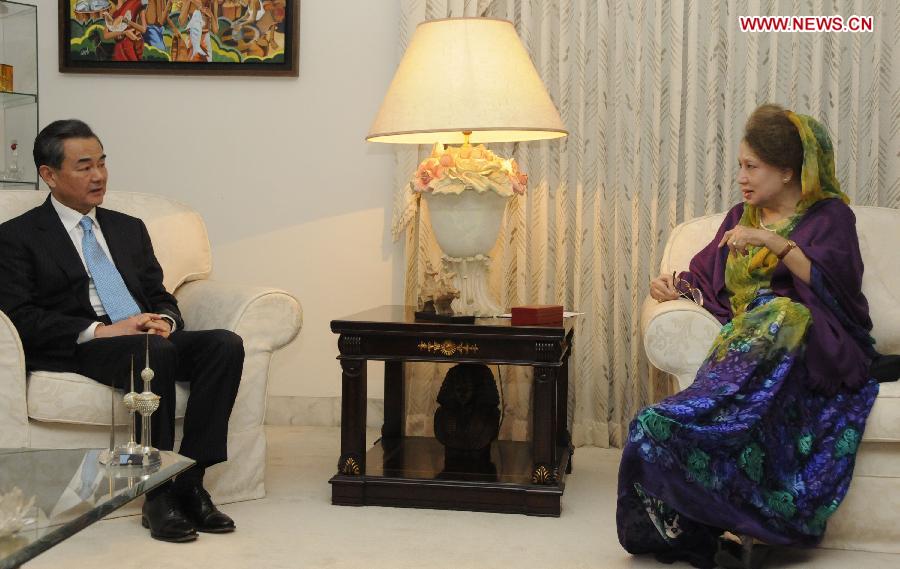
838, 351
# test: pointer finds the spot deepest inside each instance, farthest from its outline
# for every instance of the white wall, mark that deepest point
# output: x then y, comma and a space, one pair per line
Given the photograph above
292, 195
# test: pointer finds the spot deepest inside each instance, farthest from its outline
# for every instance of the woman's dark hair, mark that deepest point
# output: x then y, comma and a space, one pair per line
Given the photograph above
48, 146
774, 138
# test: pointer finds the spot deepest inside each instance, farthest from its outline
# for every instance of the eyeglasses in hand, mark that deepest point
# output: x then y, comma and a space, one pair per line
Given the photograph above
685, 290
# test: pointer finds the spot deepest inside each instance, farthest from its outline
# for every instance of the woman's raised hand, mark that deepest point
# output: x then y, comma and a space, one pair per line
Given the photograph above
740, 237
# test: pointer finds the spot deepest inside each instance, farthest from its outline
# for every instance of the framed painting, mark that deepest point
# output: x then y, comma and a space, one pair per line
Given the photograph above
188, 37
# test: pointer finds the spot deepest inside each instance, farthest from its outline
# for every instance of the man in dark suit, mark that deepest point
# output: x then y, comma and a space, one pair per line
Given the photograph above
84, 289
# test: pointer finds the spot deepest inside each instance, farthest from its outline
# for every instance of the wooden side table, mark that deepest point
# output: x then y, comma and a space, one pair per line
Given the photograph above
520, 477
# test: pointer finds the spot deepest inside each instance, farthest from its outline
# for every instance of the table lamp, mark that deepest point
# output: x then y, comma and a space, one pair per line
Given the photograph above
466, 81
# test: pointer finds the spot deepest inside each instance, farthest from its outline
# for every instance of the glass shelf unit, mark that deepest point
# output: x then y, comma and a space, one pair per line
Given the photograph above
19, 102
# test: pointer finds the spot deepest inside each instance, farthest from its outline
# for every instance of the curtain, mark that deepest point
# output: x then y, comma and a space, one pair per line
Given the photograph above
654, 94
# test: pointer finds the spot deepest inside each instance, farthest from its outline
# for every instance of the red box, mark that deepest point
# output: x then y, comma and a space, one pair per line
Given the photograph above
540, 314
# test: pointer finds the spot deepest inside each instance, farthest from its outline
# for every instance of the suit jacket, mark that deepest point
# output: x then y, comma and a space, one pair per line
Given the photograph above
44, 285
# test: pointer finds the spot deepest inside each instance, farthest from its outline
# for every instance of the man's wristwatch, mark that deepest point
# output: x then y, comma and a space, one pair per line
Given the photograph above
170, 320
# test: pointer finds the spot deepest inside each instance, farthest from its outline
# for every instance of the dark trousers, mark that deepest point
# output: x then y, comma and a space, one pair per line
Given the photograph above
210, 360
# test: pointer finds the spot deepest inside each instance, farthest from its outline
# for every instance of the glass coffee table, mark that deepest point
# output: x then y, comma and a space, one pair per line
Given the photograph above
71, 490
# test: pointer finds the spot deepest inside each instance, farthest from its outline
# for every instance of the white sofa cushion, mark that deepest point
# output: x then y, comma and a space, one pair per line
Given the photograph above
879, 236
72, 398
883, 424
177, 232
687, 240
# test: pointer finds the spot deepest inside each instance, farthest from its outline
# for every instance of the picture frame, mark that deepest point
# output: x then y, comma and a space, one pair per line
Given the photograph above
180, 37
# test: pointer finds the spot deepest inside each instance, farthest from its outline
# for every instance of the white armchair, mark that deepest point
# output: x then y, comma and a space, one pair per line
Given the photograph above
678, 334
67, 410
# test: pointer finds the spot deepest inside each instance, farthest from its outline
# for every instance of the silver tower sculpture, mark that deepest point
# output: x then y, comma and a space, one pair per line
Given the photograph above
130, 453
146, 403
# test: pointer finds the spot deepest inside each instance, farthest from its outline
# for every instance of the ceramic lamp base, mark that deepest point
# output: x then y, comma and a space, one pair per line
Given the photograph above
471, 279
466, 226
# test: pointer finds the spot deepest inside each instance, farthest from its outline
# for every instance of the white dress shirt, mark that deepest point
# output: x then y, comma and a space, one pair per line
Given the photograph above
71, 221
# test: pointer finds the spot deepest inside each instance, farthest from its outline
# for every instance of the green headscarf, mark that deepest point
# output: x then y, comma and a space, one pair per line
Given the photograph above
745, 274
818, 180
817, 177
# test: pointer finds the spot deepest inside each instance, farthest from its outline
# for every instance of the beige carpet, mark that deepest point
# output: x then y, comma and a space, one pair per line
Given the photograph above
297, 527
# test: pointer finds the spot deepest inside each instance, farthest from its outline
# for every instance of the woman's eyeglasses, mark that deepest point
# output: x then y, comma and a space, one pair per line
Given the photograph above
685, 290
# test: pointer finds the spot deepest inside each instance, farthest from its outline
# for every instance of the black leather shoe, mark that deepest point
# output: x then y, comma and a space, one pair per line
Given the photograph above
199, 509
165, 519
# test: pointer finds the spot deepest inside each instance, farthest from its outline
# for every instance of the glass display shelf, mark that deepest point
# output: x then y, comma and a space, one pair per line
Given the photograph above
10, 182
11, 99
19, 110
11, 9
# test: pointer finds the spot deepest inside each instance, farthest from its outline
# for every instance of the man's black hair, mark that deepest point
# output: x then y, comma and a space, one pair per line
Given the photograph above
48, 146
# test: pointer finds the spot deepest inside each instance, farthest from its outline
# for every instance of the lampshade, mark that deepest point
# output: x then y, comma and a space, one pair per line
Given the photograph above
466, 74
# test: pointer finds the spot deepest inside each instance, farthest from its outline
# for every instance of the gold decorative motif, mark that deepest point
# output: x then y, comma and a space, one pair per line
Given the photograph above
349, 466
544, 475
447, 347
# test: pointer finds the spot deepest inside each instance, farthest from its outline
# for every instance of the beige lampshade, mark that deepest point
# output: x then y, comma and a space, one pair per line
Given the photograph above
466, 74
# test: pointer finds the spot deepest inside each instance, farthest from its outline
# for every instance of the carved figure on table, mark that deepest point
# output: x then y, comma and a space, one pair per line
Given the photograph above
437, 291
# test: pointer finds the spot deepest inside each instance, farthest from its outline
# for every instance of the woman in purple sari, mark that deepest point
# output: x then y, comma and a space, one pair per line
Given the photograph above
763, 443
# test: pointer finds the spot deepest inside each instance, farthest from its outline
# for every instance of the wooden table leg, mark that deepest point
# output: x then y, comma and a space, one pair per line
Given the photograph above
562, 405
394, 425
353, 418
563, 436
543, 411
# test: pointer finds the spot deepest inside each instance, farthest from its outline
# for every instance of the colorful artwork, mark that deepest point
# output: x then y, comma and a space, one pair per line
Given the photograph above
224, 37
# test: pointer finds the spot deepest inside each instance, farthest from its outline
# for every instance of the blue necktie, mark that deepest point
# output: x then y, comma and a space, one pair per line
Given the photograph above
111, 289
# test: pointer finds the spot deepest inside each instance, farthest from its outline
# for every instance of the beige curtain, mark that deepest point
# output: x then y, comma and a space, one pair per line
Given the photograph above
655, 95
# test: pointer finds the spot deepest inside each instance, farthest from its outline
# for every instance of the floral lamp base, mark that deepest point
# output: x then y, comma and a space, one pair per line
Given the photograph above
471, 279
467, 189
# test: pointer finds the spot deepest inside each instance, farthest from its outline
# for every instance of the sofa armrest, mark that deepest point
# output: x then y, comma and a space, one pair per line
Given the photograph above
677, 336
265, 318
13, 405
